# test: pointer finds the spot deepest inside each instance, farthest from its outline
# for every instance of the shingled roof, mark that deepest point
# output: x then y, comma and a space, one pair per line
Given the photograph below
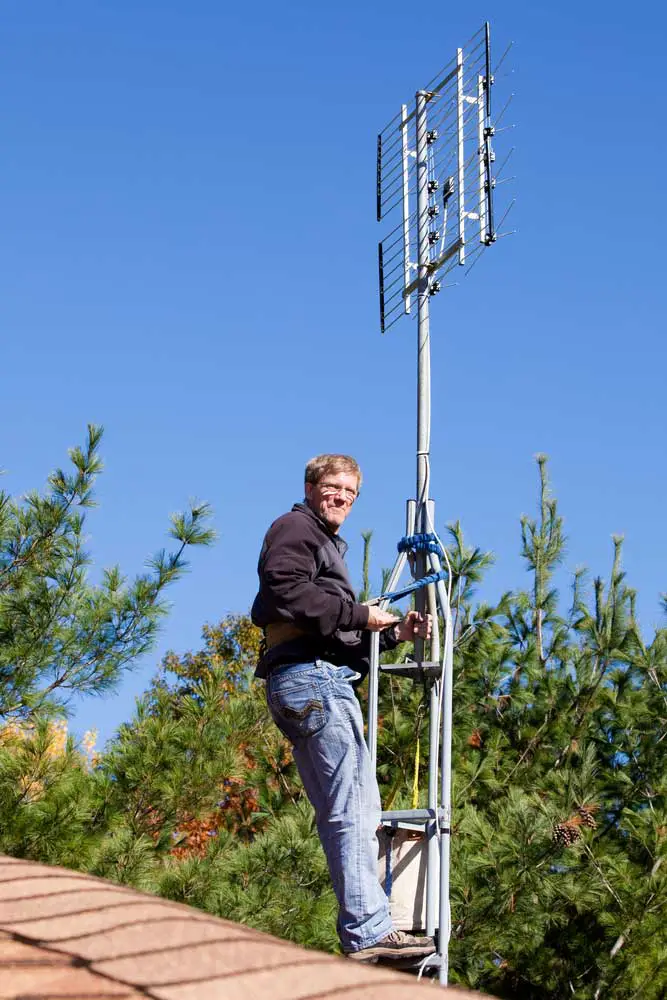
69, 936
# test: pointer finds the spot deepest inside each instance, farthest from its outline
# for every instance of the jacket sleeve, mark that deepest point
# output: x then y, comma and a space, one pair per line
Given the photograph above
388, 640
288, 568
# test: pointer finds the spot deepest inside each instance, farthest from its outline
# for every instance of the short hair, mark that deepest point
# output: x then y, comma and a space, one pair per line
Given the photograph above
322, 465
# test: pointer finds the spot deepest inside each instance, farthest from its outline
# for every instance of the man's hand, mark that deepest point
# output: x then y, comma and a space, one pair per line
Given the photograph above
379, 620
414, 626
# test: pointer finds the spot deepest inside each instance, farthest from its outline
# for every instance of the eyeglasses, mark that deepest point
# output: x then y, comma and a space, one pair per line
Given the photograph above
330, 490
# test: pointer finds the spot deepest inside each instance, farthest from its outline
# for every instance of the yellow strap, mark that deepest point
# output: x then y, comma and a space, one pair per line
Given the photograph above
415, 780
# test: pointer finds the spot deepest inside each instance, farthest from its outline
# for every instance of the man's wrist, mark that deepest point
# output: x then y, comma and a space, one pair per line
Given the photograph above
359, 616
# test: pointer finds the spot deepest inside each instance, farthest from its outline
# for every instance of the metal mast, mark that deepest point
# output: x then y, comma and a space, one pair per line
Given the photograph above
440, 156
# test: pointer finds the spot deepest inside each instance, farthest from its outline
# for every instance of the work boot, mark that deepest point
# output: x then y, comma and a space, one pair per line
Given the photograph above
396, 945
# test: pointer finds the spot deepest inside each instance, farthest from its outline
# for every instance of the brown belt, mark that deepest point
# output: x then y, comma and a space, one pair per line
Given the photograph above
281, 632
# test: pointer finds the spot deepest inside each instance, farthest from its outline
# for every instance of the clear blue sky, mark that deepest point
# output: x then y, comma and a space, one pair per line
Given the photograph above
188, 257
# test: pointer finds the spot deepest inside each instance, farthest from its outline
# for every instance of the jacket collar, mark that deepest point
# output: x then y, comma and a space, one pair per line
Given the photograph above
339, 542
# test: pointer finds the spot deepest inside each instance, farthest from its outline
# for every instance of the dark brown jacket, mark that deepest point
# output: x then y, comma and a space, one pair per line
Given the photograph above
303, 580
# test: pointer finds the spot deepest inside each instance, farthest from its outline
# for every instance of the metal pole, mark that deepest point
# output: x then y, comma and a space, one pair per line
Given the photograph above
447, 682
373, 678
488, 152
405, 156
460, 155
423, 341
432, 832
481, 164
423, 449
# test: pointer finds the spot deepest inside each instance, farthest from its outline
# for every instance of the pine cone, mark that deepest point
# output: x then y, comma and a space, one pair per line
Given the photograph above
587, 818
565, 834
559, 834
475, 739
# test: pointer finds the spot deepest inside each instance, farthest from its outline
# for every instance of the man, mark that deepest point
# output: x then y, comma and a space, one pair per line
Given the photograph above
317, 644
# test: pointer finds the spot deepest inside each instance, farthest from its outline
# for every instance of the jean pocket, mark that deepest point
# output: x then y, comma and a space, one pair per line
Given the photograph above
297, 708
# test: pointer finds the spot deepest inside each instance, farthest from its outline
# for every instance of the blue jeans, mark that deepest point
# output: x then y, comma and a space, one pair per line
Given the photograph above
315, 706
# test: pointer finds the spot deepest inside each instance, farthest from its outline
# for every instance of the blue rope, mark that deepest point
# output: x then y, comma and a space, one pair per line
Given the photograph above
419, 543
396, 595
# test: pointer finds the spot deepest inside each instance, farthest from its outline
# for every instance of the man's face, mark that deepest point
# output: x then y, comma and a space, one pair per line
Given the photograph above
332, 497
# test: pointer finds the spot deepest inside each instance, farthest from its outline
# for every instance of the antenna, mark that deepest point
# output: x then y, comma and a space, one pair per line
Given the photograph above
436, 192
436, 183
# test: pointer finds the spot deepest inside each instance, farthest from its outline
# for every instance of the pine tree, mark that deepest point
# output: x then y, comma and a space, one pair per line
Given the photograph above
560, 788
201, 754
59, 634
45, 795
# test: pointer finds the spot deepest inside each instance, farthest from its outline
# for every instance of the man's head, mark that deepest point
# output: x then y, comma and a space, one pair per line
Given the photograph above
332, 486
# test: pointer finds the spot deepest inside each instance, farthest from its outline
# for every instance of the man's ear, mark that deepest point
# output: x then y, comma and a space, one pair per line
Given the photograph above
308, 490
